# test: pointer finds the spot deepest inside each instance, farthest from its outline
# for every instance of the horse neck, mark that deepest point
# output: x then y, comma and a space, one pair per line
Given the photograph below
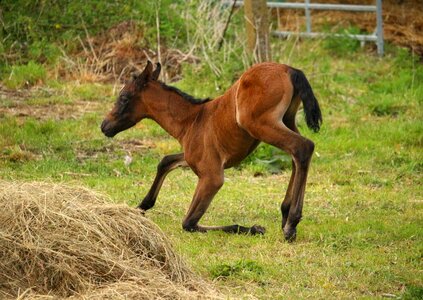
170, 110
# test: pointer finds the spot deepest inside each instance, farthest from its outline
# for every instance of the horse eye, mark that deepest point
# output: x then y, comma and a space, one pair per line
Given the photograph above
124, 100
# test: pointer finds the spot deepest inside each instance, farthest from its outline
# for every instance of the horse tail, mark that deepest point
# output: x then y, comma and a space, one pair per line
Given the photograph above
302, 88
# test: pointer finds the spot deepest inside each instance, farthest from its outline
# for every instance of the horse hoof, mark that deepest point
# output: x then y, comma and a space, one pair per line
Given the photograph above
145, 206
290, 234
257, 229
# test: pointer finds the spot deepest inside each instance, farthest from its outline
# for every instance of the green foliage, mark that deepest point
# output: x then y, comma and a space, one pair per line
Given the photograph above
25, 75
44, 52
37, 28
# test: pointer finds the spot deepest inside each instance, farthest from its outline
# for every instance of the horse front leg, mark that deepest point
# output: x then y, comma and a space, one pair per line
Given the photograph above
167, 164
207, 188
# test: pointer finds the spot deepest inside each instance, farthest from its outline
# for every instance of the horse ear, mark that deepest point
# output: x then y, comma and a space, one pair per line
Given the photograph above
145, 75
156, 72
148, 69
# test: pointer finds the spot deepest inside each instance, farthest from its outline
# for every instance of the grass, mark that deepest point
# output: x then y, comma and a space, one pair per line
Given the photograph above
25, 75
361, 236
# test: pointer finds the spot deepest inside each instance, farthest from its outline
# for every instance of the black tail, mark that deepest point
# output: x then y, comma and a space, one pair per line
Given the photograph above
303, 89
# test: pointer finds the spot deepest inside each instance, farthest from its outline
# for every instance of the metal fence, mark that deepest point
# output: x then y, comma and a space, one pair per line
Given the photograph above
376, 36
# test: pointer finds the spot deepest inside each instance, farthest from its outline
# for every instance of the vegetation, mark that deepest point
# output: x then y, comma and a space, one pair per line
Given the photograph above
361, 235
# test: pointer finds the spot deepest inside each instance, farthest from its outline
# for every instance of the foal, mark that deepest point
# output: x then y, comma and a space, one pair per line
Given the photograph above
218, 134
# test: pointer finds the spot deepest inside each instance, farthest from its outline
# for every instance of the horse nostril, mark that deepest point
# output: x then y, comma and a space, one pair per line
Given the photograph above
103, 125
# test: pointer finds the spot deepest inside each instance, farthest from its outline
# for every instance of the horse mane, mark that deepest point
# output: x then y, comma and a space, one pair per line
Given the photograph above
184, 95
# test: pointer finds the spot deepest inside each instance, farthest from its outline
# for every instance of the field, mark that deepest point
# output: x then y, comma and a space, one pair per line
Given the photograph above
362, 230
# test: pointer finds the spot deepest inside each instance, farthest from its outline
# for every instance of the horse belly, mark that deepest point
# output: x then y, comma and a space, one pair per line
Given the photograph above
238, 150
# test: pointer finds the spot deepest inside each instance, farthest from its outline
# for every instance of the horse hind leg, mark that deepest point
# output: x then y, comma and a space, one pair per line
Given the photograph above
289, 121
269, 128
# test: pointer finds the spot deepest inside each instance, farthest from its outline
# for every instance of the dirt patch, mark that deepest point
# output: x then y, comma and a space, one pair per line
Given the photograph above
8, 96
129, 147
54, 111
403, 20
14, 103
137, 145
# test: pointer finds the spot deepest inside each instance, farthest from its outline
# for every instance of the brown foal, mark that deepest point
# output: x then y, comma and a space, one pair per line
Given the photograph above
218, 134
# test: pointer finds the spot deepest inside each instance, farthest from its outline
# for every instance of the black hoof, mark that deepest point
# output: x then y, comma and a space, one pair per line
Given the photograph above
145, 205
257, 229
290, 234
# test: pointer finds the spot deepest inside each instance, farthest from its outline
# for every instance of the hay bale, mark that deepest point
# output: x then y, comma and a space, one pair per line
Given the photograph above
60, 241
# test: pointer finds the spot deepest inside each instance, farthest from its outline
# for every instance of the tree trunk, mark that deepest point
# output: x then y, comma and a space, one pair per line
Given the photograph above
257, 25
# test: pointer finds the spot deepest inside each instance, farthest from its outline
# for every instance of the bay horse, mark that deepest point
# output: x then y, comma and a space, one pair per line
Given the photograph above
218, 134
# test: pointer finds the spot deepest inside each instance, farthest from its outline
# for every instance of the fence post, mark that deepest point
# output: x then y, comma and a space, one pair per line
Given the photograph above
308, 16
379, 27
257, 26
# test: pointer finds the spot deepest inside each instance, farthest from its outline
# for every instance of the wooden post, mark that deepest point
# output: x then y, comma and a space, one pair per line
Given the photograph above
257, 25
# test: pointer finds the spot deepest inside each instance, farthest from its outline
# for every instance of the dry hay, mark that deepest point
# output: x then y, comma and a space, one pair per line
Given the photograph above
402, 20
113, 55
60, 241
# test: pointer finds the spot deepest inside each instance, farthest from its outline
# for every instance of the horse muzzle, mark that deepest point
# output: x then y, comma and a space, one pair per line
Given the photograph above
107, 129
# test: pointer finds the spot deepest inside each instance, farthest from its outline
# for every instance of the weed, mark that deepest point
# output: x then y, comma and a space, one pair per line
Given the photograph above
25, 75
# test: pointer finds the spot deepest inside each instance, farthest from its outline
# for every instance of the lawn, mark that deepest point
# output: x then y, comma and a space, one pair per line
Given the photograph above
362, 230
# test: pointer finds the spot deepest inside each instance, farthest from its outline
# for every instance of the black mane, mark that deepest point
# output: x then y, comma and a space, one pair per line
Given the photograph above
187, 97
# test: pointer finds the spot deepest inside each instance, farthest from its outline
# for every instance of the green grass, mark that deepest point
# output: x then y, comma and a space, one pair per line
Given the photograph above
362, 231
24, 75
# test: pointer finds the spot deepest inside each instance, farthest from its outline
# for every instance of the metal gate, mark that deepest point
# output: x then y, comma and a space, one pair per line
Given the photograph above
376, 37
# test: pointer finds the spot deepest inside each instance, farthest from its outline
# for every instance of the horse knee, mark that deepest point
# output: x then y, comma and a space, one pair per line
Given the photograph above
166, 163
217, 183
302, 155
214, 182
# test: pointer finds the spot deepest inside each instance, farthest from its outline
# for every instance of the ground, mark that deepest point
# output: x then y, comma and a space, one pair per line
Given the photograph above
361, 234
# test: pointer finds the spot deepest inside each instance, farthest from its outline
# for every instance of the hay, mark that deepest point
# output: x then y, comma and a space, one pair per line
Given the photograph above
60, 241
